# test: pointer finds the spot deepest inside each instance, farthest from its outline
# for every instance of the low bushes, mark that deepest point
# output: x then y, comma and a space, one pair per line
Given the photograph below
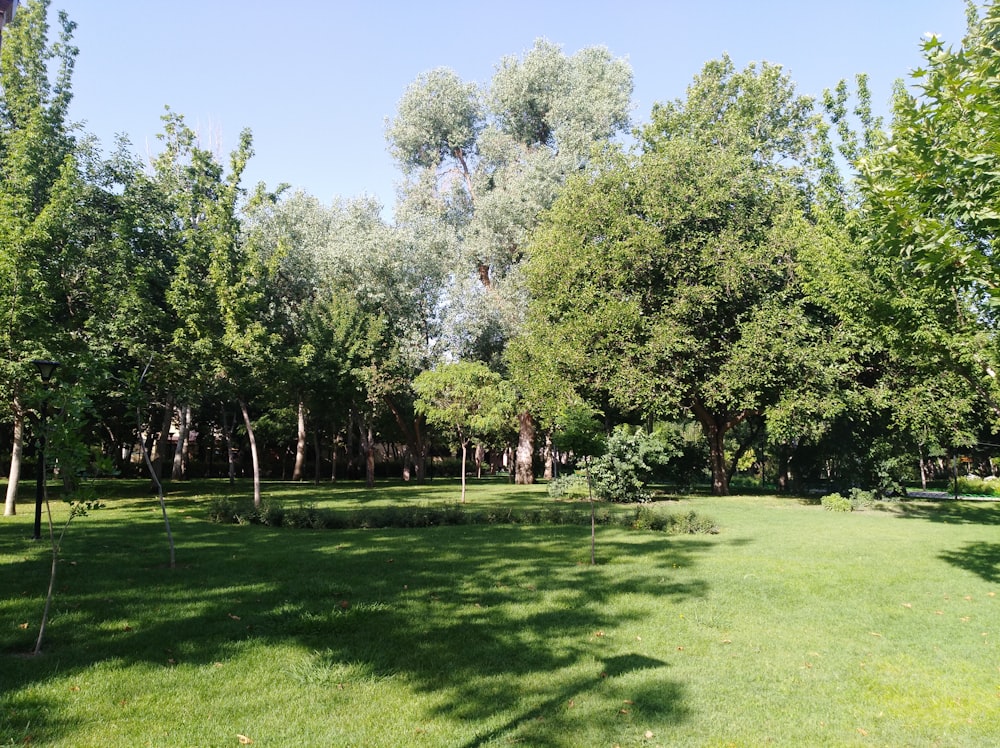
572, 486
972, 485
856, 499
228, 511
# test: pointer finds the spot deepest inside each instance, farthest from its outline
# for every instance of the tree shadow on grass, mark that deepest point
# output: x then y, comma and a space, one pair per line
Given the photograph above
467, 612
983, 559
658, 699
946, 511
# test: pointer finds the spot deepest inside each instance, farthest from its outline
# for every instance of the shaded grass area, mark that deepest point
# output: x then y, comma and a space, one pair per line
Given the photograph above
793, 626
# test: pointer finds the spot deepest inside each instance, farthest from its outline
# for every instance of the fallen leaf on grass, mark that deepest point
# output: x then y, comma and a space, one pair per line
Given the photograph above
599, 633
907, 605
22, 626
862, 731
244, 740
648, 735
74, 688
875, 633
234, 617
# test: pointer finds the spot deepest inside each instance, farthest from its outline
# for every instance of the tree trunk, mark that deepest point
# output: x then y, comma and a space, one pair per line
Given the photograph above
525, 449
465, 450
160, 448
480, 458
227, 429
253, 453
353, 421
717, 461
318, 465
300, 445
715, 427
549, 456
10, 505
413, 434
369, 456
182, 434
333, 453
782, 479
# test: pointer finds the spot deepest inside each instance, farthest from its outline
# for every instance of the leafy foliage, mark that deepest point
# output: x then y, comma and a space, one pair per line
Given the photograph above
934, 188
304, 517
622, 473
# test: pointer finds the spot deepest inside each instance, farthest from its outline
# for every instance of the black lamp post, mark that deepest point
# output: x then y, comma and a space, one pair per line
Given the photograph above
45, 370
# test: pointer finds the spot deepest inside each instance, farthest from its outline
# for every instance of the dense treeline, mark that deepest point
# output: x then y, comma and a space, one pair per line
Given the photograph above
780, 286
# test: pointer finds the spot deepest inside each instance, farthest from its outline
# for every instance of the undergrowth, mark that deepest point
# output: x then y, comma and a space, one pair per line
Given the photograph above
225, 510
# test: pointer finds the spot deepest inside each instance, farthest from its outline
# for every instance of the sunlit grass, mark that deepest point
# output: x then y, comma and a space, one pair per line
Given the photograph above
792, 626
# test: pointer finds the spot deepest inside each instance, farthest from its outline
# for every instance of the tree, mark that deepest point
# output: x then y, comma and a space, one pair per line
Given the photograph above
579, 432
488, 161
671, 278
465, 398
219, 346
935, 188
921, 278
38, 179
395, 275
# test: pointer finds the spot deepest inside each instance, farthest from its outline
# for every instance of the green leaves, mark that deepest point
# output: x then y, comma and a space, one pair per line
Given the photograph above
934, 187
466, 398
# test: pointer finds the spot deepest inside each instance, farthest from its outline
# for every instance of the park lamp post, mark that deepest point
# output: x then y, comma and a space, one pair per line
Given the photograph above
45, 370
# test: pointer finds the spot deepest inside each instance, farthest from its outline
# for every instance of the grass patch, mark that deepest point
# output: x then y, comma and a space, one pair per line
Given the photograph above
791, 626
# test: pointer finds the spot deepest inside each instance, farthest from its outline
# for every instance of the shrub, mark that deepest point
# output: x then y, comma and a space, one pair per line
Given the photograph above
976, 486
861, 499
305, 517
835, 502
623, 471
272, 515
649, 518
568, 486
228, 511
222, 510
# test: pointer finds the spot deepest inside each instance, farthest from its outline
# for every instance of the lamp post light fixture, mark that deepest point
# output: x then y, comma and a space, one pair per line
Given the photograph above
45, 371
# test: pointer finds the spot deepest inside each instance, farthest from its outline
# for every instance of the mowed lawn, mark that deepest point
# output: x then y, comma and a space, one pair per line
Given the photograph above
791, 626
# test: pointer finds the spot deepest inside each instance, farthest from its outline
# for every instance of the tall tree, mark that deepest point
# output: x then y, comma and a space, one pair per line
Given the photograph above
927, 229
671, 278
218, 342
38, 180
492, 160
935, 187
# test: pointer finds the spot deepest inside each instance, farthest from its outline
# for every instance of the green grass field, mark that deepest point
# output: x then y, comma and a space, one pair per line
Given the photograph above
791, 626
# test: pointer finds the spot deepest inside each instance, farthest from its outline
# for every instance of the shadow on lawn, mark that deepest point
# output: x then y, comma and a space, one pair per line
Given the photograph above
948, 511
980, 558
470, 613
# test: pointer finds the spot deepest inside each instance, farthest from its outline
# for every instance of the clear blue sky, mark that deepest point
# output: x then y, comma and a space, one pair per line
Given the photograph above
315, 79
